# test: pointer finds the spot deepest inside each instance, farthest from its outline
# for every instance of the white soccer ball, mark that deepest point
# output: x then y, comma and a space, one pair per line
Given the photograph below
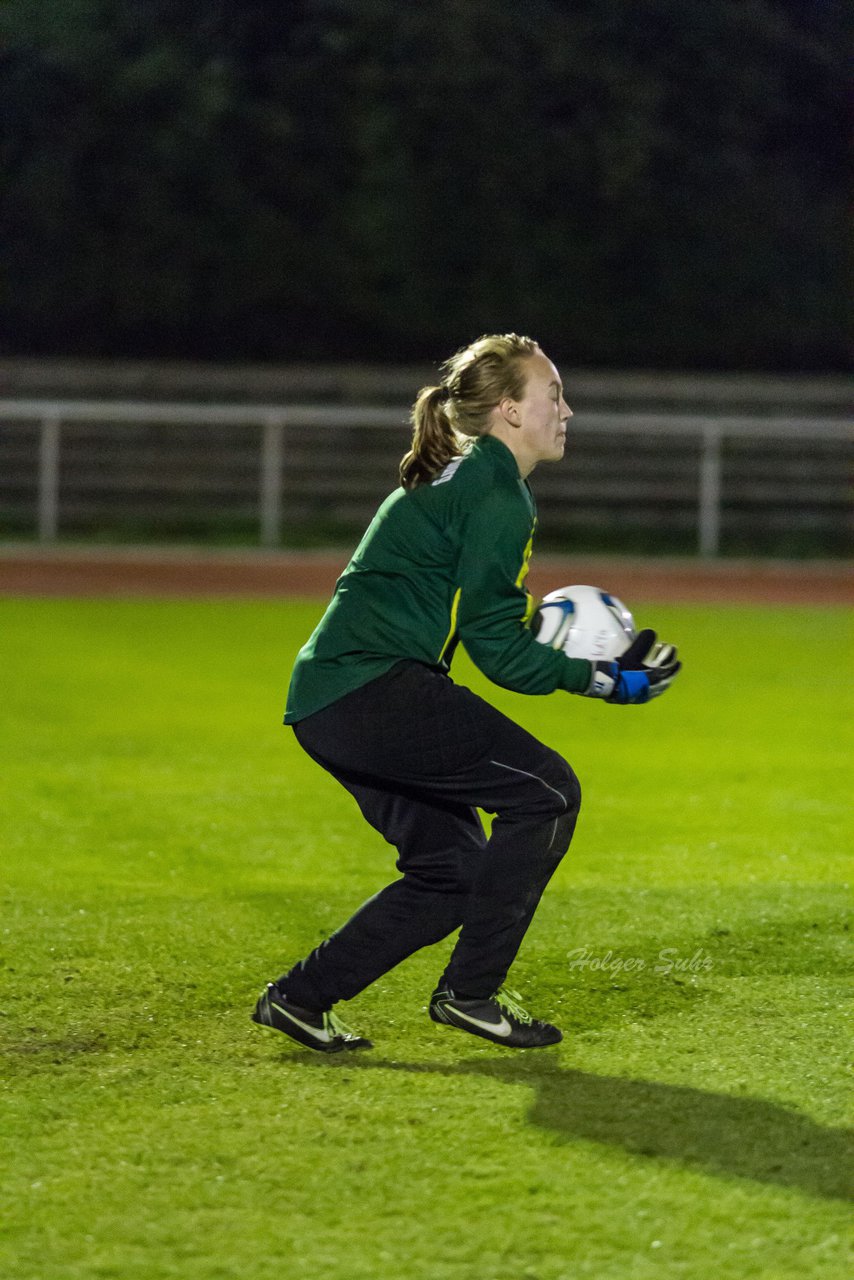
585, 622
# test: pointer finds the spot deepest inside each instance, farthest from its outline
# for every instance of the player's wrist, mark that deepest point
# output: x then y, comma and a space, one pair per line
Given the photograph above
604, 678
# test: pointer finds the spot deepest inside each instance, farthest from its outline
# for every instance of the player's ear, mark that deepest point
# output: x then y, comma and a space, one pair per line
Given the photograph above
509, 410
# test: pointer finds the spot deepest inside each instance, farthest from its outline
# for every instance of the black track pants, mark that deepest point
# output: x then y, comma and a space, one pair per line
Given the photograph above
421, 755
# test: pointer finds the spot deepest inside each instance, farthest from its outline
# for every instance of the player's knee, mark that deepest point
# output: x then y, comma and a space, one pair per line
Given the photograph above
564, 821
565, 785
573, 791
547, 789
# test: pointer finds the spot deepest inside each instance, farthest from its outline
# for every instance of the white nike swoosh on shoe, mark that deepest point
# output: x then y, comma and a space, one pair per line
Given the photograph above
502, 1028
318, 1033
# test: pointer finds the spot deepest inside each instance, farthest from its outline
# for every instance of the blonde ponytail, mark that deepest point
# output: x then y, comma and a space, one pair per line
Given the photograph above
434, 440
447, 417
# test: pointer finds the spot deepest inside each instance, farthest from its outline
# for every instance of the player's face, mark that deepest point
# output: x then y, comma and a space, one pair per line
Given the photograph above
542, 413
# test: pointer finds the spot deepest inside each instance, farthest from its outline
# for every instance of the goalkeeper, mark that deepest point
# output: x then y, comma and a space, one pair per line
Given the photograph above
372, 702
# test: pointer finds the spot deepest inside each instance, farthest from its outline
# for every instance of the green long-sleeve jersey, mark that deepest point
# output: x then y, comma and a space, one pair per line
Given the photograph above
441, 563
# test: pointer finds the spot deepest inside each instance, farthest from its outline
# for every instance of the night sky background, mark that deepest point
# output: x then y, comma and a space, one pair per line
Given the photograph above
652, 183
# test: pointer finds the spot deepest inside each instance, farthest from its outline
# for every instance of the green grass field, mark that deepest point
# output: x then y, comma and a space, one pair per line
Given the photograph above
166, 848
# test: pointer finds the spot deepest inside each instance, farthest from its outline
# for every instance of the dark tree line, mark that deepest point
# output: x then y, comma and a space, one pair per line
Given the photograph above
635, 182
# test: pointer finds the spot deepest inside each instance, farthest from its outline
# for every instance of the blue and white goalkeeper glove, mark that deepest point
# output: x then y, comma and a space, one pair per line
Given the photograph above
644, 671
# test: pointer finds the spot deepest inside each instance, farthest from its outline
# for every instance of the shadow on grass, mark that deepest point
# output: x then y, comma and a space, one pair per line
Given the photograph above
718, 1133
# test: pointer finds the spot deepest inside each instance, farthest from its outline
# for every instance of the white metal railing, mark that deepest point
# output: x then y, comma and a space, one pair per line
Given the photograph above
708, 428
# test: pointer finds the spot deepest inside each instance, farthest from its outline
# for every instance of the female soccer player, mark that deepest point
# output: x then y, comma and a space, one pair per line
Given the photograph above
371, 701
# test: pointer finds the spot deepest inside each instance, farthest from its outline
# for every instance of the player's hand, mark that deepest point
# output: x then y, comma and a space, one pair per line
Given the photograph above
644, 671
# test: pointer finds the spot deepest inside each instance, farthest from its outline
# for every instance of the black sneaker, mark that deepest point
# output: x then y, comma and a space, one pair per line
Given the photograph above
500, 1019
322, 1031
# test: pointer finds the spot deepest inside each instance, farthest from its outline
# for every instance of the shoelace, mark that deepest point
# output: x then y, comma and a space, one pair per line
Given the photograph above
334, 1024
509, 1000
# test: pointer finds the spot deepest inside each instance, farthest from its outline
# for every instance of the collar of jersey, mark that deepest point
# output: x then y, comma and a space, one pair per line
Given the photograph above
498, 450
